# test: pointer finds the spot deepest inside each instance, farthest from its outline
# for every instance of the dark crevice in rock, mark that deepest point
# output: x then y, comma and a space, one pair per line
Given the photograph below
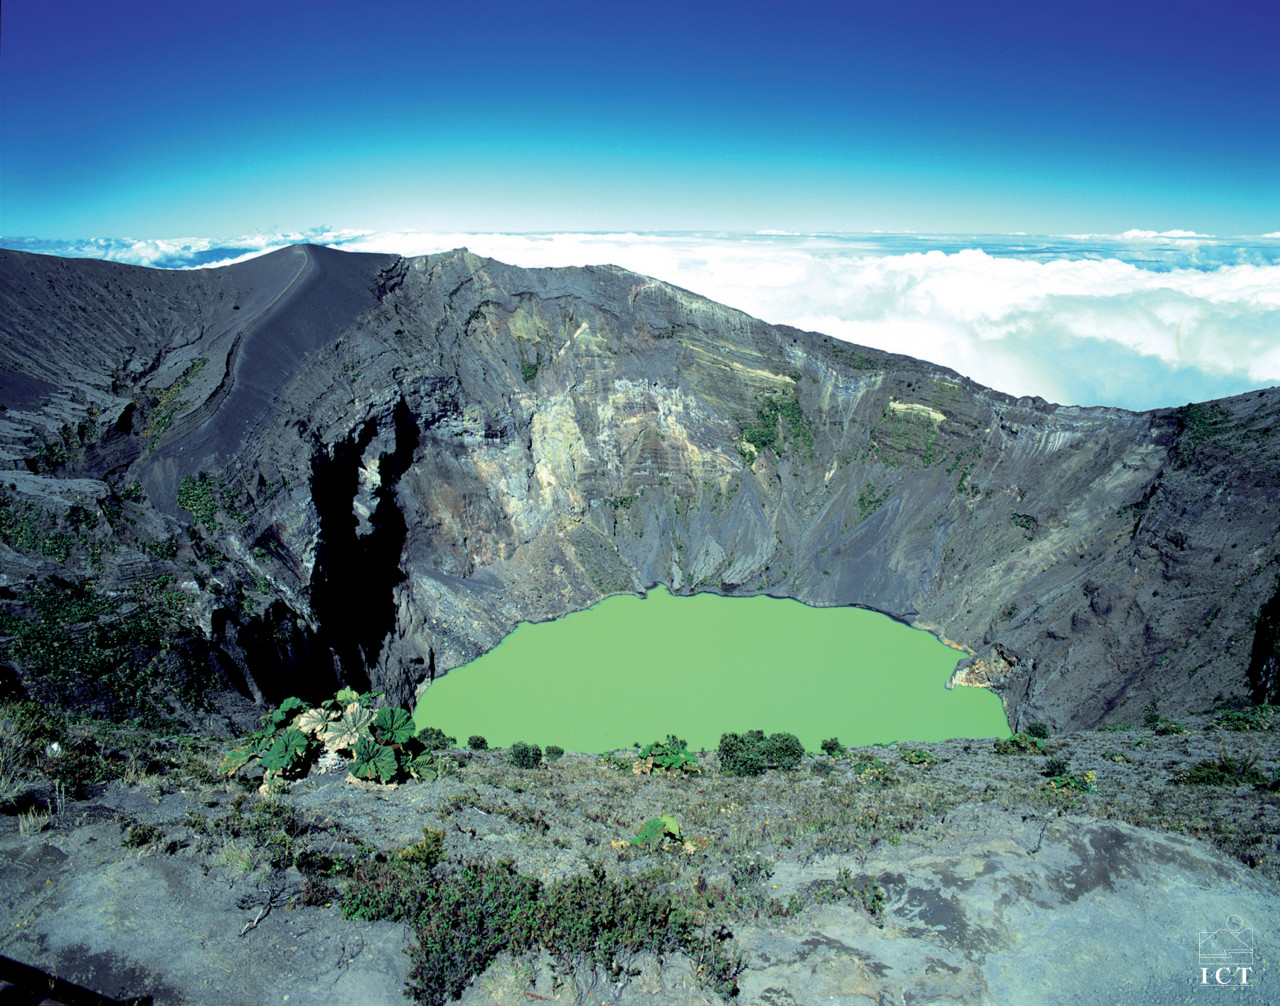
275, 655
1264, 661
355, 574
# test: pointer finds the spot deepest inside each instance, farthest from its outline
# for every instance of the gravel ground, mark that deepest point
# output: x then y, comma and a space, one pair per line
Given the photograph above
176, 883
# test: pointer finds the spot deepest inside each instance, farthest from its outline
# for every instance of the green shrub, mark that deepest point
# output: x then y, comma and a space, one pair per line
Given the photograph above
1253, 718
1086, 783
370, 760
1154, 721
919, 756
671, 755
1056, 767
525, 755
743, 754
1038, 730
435, 739
476, 742
1224, 771
1019, 743
752, 753
427, 852
554, 752
870, 895
200, 497
783, 751
832, 747
394, 726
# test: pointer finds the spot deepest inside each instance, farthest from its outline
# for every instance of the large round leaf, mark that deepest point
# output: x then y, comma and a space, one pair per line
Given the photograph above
350, 729
313, 721
373, 761
288, 751
392, 725
289, 708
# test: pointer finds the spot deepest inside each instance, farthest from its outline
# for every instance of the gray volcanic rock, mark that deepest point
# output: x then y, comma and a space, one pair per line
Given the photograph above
393, 461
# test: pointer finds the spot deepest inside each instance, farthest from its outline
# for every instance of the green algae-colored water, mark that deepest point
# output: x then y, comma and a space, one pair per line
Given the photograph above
636, 669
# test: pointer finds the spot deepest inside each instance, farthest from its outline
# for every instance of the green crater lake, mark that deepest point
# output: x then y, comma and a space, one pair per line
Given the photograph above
636, 669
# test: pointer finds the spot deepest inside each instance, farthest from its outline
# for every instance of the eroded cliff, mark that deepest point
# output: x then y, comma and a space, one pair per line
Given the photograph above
317, 466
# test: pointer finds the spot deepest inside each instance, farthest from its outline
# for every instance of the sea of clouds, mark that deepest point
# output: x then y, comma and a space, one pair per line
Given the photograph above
1140, 320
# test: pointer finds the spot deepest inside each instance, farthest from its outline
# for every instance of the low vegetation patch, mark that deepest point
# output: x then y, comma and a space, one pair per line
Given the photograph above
1019, 743
1224, 771
1252, 718
81, 650
463, 918
766, 431
671, 755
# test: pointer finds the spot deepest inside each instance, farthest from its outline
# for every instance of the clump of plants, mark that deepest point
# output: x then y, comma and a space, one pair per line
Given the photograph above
274, 832
524, 755
661, 833
1224, 771
138, 836
1019, 743
865, 891
919, 756
671, 755
427, 852
873, 771
753, 753
1087, 783
39, 742
1252, 718
554, 752
80, 650
435, 739
476, 742
1058, 771
833, 747
1056, 766
1161, 725
463, 918
378, 743
1038, 730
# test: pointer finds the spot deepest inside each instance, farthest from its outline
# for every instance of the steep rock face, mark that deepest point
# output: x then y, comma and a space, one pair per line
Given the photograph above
390, 462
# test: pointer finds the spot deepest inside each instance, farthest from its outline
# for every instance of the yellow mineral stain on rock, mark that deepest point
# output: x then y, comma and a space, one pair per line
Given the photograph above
916, 409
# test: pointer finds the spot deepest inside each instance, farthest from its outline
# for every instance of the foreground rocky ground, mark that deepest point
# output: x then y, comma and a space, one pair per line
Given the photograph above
930, 873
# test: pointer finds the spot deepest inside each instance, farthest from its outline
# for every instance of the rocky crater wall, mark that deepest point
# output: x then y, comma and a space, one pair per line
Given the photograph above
368, 469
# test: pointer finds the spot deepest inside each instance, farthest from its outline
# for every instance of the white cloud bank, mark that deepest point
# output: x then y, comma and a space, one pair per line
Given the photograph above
1080, 330
1141, 320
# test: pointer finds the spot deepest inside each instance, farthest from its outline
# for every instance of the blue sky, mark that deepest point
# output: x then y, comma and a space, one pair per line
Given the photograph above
159, 119
744, 152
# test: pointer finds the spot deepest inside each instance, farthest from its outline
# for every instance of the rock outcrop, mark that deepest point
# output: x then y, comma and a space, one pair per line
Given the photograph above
317, 466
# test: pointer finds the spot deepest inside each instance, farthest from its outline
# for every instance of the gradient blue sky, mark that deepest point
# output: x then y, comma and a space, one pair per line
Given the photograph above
155, 119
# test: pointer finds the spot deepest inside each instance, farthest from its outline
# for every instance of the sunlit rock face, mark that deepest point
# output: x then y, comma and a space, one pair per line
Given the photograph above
408, 456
